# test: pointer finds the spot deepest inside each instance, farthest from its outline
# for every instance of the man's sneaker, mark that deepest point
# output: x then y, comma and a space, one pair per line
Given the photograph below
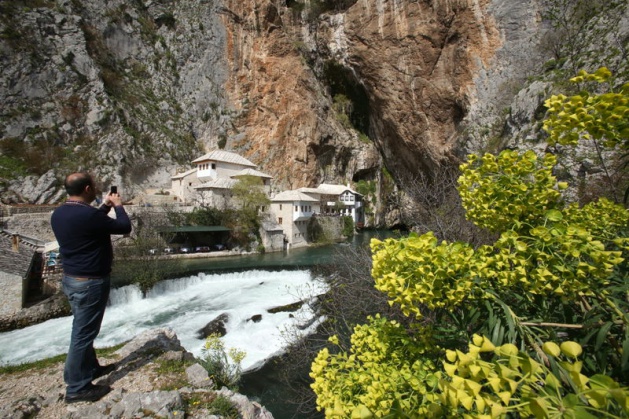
91, 394
104, 370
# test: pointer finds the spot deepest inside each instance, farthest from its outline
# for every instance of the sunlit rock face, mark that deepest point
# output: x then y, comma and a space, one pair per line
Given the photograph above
411, 74
285, 118
416, 62
403, 72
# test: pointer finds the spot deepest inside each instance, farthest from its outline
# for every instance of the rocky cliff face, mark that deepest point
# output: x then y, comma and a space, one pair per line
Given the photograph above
119, 89
311, 91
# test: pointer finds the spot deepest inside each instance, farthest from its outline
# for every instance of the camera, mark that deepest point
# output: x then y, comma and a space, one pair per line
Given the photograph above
113, 189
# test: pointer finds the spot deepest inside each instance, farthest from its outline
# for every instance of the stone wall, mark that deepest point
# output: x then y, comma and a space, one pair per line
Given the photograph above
11, 297
9, 210
35, 225
323, 229
272, 236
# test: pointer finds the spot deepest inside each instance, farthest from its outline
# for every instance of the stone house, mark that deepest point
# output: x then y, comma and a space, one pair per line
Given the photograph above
21, 265
272, 235
217, 192
292, 211
182, 184
211, 182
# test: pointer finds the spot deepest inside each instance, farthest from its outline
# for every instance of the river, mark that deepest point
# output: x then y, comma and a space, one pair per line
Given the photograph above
242, 287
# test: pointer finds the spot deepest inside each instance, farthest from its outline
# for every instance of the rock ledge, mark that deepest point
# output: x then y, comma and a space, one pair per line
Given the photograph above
155, 377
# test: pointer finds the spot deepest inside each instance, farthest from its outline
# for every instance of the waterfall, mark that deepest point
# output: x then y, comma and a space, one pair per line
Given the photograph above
186, 305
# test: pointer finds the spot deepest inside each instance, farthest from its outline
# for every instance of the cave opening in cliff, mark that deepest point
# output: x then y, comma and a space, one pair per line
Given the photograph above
322, 6
351, 102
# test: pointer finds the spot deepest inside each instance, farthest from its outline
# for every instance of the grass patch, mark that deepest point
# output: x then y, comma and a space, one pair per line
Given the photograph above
109, 351
35, 365
172, 374
11, 167
48, 362
171, 366
212, 403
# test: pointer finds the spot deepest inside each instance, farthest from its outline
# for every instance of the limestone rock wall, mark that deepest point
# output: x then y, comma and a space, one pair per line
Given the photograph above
416, 62
310, 91
285, 119
127, 91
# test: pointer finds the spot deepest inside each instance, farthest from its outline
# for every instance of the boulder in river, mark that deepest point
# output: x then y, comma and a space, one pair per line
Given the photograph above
215, 326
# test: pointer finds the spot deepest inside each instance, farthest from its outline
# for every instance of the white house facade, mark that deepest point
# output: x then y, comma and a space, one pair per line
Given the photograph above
292, 211
220, 164
210, 182
338, 199
182, 185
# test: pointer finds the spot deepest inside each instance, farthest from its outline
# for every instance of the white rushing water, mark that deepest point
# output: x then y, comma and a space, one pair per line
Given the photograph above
186, 305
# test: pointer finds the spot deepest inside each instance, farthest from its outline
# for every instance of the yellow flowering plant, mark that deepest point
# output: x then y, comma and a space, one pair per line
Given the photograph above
223, 364
387, 369
599, 117
491, 382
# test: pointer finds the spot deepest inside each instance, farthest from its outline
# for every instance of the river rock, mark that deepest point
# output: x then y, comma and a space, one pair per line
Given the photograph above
246, 407
286, 308
215, 326
168, 404
256, 318
152, 341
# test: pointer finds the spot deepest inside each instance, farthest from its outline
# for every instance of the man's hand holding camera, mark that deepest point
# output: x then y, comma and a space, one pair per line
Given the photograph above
113, 198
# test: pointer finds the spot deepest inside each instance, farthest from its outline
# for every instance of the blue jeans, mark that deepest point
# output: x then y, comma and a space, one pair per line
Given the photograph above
88, 299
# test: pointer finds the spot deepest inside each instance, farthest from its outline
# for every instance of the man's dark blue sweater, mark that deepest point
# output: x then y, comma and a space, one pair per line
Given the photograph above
83, 233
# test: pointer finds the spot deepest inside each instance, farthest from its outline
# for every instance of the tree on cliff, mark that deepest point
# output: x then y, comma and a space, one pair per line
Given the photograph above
138, 260
534, 324
250, 198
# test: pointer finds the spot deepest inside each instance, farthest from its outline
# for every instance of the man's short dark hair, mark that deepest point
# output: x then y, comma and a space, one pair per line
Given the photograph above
75, 183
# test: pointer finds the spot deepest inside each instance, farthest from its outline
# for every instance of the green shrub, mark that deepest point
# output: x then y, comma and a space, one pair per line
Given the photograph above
348, 226
212, 403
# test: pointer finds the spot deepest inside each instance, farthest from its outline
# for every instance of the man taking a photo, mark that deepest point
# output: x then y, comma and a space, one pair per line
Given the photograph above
84, 236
